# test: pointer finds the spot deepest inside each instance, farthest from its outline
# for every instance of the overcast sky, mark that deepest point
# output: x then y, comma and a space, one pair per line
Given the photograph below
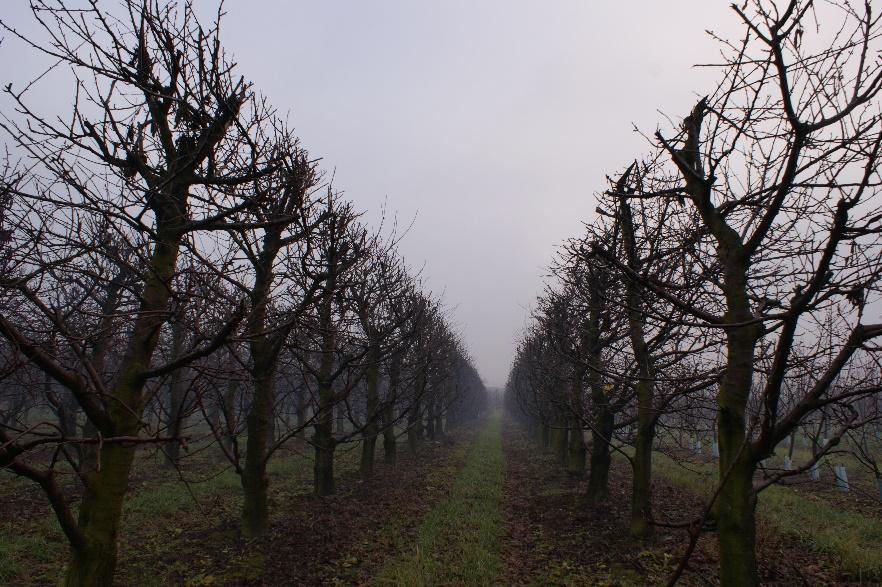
493, 122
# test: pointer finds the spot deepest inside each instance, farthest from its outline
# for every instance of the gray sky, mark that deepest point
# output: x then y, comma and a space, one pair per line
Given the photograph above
492, 121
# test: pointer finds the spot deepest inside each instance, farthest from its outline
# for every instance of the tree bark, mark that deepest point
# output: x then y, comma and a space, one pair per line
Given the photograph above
95, 562
390, 442
99, 518
323, 470
598, 477
255, 482
324, 455
372, 409
176, 396
735, 509
641, 487
301, 410
260, 420
576, 442
415, 426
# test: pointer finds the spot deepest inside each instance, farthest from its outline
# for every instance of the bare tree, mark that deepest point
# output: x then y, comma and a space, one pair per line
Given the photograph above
781, 164
159, 131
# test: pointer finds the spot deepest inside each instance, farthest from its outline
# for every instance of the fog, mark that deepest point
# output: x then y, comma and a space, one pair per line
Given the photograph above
487, 125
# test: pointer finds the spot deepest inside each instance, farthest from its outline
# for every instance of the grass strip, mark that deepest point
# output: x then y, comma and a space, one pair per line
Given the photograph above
459, 541
854, 539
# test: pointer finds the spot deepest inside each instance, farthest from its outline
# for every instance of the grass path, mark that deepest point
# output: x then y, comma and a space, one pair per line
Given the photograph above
459, 542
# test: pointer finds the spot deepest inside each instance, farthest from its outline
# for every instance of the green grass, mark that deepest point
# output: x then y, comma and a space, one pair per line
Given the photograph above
168, 497
459, 541
854, 539
29, 551
156, 512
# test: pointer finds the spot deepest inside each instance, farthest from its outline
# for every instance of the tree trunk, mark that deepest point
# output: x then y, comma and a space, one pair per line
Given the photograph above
735, 509
372, 408
260, 420
175, 423
735, 506
736, 524
576, 452
390, 442
559, 442
100, 510
176, 397
99, 519
576, 443
598, 477
255, 482
228, 409
641, 487
414, 426
323, 471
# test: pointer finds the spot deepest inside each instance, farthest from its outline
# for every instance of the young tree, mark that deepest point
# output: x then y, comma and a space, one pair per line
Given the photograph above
382, 297
274, 238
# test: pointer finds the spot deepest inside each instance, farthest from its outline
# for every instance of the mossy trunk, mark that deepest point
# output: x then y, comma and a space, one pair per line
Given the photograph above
372, 407
255, 482
735, 514
641, 486
260, 420
576, 452
95, 562
598, 476
735, 510
176, 391
735, 506
323, 469
576, 440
